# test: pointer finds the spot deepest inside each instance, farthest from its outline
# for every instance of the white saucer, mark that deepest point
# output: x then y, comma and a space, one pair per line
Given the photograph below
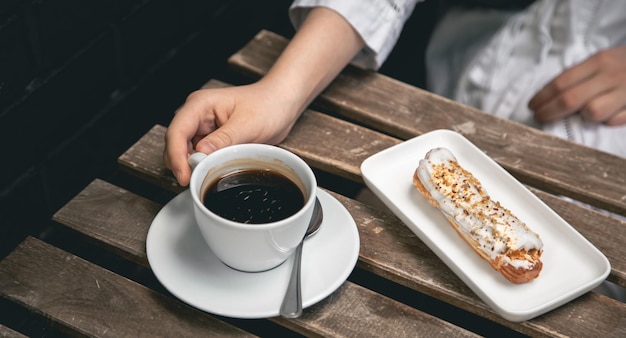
184, 264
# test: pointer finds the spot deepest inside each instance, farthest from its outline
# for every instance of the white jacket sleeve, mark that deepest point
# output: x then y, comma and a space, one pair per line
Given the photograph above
378, 22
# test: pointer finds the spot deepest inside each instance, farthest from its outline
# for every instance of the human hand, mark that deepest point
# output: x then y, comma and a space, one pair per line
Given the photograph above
212, 119
263, 112
595, 88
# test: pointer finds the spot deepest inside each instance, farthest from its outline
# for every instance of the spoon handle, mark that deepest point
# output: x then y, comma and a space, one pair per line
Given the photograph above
292, 303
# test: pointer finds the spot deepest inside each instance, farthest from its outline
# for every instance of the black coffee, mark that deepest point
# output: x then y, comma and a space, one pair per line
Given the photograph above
254, 196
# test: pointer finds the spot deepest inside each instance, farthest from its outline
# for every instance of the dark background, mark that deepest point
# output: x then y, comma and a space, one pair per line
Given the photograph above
81, 81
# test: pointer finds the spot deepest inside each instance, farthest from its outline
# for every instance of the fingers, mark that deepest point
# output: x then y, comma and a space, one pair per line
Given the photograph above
193, 128
606, 106
187, 126
220, 138
177, 148
214, 119
596, 88
567, 93
565, 81
176, 154
177, 164
618, 119
567, 101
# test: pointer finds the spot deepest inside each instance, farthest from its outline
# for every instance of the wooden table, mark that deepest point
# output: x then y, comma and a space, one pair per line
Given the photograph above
399, 287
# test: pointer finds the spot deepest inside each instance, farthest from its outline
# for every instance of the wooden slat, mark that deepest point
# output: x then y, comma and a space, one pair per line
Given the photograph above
392, 318
9, 333
103, 211
534, 157
354, 311
85, 299
412, 264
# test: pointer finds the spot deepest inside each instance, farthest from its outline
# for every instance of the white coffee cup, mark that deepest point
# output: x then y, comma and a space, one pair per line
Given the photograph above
251, 247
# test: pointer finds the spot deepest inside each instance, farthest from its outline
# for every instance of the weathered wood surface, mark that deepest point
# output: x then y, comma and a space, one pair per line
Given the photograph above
404, 111
101, 215
87, 300
82, 298
337, 152
411, 263
6, 332
340, 315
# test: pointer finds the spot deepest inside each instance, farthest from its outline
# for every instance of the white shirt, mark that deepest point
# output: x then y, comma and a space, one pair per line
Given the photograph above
378, 22
496, 60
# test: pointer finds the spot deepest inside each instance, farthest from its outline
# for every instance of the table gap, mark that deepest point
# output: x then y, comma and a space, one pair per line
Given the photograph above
26, 322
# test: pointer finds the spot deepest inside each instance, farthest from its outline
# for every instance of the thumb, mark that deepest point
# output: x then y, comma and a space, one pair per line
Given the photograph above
218, 139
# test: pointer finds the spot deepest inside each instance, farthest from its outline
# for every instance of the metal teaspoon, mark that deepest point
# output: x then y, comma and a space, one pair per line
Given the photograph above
292, 303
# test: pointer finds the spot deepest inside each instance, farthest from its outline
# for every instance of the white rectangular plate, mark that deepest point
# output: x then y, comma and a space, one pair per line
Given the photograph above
571, 264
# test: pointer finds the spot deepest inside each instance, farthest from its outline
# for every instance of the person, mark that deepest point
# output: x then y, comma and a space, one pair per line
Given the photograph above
556, 65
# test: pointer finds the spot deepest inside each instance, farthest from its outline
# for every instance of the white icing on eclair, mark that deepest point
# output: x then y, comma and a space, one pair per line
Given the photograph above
461, 197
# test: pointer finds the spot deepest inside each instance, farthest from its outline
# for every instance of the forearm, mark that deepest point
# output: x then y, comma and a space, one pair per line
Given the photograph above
322, 47
265, 111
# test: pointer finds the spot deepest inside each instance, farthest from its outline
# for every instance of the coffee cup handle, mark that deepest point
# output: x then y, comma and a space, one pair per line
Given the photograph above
196, 158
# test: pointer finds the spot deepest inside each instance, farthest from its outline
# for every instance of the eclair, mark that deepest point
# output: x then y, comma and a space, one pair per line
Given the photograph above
490, 229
